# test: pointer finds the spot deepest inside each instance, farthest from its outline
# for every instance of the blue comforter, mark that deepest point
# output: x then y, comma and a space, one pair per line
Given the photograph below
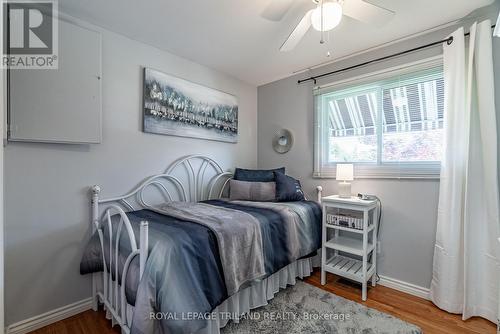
184, 274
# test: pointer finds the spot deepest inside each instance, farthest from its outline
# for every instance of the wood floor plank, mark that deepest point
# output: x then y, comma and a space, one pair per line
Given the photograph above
409, 308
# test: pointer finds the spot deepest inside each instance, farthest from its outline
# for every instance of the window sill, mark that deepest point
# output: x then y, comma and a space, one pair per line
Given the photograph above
429, 172
382, 177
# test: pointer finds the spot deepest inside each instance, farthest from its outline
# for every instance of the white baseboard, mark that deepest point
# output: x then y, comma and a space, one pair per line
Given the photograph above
50, 317
408, 288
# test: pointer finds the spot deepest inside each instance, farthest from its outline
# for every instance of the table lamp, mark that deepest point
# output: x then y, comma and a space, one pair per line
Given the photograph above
345, 172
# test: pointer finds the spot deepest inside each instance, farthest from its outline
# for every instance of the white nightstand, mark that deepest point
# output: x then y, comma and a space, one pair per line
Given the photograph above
349, 238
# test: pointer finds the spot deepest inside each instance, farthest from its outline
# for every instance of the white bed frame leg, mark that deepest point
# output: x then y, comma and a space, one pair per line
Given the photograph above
95, 221
143, 247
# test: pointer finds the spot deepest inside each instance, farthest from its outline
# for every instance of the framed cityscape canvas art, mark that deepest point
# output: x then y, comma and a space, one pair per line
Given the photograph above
177, 107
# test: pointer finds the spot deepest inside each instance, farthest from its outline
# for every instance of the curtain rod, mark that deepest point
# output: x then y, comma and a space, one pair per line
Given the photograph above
448, 41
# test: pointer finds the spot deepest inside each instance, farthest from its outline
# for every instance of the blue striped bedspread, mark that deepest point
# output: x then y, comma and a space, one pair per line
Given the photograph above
185, 272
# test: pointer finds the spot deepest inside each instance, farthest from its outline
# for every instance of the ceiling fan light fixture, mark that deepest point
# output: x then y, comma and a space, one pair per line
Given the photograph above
332, 14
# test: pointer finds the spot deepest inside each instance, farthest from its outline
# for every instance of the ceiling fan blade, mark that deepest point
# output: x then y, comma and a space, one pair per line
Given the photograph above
366, 12
297, 33
276, 9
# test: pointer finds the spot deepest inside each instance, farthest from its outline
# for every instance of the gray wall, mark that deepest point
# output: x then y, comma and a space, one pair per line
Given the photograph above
409, 206
47, 202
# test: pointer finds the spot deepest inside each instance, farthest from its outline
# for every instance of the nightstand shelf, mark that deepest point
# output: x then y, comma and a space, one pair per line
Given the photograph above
348, 245
350, 250
348, 267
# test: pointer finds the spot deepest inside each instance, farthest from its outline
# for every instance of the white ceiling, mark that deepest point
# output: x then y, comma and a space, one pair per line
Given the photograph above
231, 36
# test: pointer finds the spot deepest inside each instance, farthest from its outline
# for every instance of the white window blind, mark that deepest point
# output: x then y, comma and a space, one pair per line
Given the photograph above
388, 124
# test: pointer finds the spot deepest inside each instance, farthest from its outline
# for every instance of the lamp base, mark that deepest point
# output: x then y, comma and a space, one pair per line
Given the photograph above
344, 190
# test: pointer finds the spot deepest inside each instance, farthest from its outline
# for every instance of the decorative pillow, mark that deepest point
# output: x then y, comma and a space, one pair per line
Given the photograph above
288, 189
252, 191
256, 175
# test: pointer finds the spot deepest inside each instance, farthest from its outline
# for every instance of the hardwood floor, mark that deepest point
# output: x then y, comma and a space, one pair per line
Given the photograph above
418, 311
412, 309
88, 322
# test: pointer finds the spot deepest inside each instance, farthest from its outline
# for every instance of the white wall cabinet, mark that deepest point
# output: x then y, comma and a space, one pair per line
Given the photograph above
63, 105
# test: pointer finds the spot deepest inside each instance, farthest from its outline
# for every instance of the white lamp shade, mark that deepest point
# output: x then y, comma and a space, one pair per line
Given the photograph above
497, 28
345, 172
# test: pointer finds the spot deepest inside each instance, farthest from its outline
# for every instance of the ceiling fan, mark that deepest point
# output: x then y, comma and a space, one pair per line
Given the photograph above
326, 16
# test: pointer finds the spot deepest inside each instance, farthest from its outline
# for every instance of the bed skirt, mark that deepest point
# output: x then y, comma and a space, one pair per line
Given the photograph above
260, 293
254, 296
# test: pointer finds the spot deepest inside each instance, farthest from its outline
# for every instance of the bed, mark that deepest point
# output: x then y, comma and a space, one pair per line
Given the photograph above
174, 256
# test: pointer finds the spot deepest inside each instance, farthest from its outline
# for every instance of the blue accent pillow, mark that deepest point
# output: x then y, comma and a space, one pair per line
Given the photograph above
288, 189
256, 175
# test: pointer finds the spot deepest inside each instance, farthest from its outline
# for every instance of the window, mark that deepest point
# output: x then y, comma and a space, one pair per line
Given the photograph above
388, 124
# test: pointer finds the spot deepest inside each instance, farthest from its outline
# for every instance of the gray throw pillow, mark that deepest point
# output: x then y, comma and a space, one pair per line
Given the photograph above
252, 191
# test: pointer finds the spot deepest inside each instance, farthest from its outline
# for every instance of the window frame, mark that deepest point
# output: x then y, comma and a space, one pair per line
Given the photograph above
379, 169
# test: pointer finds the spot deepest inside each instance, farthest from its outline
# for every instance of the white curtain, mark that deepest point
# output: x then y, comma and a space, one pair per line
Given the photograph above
497, 27
466, 271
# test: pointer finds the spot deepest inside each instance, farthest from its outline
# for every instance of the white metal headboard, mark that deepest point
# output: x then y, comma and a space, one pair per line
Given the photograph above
196, 186
190, 179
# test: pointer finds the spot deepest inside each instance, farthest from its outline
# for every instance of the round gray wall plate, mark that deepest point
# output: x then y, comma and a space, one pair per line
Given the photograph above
282, 141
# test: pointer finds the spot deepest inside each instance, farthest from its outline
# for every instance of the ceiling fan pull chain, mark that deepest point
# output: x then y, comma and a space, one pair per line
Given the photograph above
322, 41
330, 42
